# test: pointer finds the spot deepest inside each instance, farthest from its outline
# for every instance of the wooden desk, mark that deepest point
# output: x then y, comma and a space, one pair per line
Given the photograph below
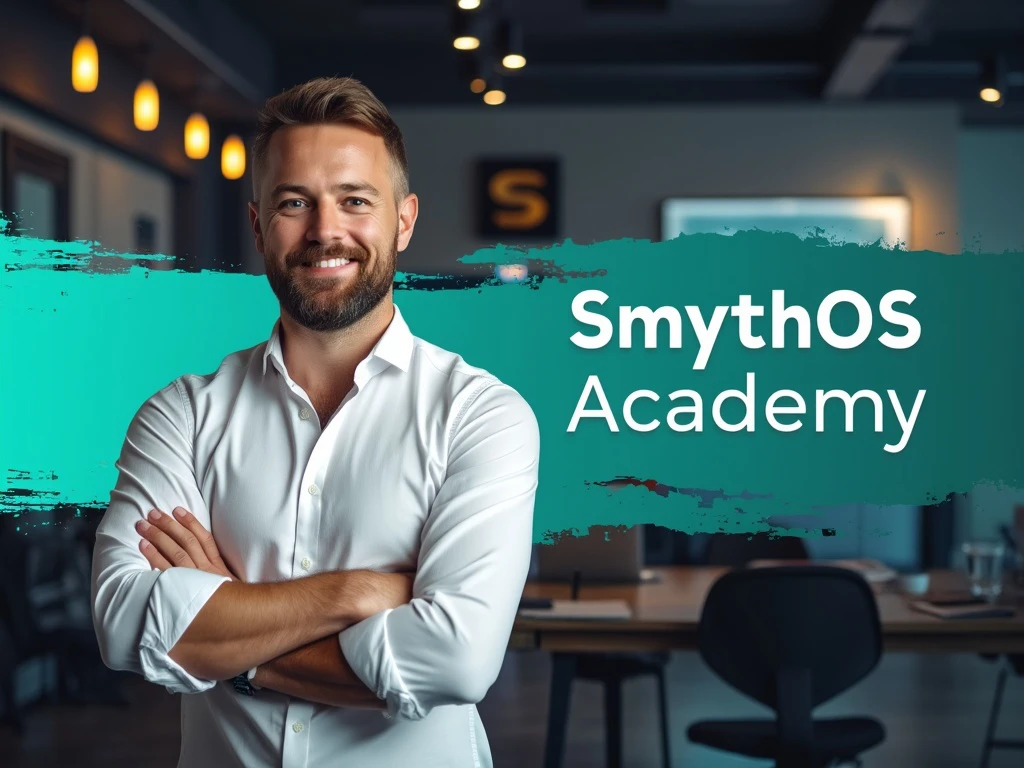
666, 614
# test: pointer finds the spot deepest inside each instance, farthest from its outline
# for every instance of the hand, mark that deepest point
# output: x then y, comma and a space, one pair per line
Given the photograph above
179, 540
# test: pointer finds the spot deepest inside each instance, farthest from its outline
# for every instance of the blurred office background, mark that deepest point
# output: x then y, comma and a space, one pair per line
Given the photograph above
628, 104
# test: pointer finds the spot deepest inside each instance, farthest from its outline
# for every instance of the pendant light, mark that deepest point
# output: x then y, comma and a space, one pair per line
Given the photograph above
232, 157
147, 100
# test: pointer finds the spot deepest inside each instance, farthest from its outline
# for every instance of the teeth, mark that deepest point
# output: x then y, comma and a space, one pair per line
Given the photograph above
330, 263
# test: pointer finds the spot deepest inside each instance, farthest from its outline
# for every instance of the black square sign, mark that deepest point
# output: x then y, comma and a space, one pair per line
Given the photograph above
518, 198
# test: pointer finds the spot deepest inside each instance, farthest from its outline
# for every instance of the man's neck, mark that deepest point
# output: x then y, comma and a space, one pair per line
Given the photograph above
318, 361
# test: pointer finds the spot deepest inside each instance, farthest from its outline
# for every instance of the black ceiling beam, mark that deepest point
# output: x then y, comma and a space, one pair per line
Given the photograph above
863, 38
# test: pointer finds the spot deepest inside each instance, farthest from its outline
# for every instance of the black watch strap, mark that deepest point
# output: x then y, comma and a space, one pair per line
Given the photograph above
242, 684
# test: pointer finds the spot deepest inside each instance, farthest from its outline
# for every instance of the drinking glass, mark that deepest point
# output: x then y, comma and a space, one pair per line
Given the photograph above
983, 561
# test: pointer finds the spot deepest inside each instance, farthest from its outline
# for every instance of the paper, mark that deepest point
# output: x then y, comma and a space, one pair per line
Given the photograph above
581, 609
978, 611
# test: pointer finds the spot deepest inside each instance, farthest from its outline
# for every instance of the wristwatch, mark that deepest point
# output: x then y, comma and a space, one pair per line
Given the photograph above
243, 682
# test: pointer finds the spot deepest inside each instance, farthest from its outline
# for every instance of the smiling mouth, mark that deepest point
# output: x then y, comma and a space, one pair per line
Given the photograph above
328, 263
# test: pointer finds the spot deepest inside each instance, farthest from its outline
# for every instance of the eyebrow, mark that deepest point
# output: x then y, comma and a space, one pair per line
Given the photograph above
347, 187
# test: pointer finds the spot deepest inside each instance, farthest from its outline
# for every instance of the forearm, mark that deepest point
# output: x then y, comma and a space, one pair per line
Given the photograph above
244, 625
318, 672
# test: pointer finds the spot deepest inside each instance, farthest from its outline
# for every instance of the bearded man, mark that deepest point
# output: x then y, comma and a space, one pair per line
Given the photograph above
323, 543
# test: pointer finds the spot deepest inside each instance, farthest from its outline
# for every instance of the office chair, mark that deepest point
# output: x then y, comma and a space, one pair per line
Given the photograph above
791, 637
1013, 663
45, 607
611, 670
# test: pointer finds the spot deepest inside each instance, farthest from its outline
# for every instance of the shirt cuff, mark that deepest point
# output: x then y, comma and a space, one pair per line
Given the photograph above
177, 596
366, 648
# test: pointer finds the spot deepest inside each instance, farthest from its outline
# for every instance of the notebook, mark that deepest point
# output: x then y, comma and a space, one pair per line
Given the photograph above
580, 609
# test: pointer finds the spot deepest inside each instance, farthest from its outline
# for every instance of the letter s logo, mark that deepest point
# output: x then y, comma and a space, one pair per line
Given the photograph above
516, 190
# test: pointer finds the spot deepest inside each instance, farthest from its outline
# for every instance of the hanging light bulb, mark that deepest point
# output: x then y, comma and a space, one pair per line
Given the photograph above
477, 85
511, 48
232, 157
85, 65
495, 94
465, 36
197, 136
147, 105
991, 89
469, 5
494, 97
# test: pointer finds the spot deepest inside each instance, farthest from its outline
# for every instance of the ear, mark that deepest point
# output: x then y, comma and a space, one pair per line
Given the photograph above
407, 213
257, 230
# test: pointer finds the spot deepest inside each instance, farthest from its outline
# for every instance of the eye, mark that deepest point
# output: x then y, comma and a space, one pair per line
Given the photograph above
292, 204
358, 202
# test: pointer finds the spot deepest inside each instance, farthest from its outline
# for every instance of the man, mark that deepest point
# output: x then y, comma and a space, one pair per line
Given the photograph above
323, 543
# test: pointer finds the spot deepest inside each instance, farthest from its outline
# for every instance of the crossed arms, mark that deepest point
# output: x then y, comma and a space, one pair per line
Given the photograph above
288, 628
348, 638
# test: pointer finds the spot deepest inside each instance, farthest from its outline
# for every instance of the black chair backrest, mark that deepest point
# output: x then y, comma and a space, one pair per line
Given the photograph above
763, 625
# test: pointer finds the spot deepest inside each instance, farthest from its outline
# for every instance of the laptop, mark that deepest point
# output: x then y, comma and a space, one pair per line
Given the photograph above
607, 555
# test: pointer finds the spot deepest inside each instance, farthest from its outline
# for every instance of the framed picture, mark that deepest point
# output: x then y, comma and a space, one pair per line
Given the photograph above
841, 219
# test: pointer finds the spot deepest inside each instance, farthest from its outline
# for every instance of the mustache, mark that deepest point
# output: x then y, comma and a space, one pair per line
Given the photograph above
319, 252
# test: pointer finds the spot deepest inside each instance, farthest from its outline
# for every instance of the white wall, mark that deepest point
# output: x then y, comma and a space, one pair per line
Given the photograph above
108, 189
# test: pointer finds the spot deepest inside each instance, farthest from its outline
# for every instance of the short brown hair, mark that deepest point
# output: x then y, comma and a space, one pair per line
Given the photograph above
327, 100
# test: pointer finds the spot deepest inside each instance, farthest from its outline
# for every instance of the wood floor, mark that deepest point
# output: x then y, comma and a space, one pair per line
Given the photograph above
934, 708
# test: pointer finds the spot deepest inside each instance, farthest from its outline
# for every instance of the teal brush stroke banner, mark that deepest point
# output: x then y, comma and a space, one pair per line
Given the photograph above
88, 336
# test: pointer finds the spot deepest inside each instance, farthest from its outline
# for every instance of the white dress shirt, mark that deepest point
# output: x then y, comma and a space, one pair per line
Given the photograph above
428, 465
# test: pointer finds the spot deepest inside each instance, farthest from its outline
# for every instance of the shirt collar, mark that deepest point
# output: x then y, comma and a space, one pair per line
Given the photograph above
394, 347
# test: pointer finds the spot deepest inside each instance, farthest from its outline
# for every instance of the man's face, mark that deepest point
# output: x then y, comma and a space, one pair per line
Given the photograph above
327, 223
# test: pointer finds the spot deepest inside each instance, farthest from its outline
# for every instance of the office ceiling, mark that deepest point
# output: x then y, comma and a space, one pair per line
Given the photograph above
663, 51
641, 51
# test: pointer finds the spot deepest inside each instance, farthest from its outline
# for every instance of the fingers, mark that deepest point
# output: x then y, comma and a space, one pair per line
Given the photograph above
152, 554
174, 542
203, 536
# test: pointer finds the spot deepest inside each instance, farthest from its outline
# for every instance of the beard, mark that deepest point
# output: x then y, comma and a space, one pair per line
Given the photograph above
322, 304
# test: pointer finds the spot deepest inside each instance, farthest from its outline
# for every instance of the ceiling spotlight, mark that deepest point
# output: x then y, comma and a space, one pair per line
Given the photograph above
465, 36
511, 45
991, 95
469, 5
991, 87
495, 94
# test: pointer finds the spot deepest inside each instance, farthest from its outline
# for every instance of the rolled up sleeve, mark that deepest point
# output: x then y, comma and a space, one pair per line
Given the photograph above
139, 613
447, 644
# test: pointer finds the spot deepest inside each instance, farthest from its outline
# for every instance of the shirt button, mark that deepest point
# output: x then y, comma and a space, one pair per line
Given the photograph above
306, 562
305, 414
297, 727
313, 490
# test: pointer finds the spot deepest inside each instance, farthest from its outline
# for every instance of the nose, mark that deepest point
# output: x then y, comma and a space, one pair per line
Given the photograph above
326, 225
